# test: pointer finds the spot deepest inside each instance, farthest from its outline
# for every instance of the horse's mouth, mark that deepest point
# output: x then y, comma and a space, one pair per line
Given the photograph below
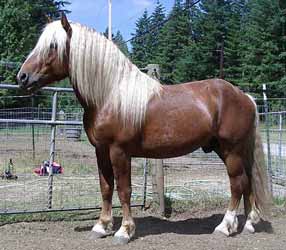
32, 87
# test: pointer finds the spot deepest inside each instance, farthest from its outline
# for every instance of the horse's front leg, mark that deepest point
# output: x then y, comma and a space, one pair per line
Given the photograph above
121, 164
106, 178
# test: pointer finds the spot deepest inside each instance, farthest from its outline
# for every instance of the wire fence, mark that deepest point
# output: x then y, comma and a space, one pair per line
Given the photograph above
196, 178
29, 145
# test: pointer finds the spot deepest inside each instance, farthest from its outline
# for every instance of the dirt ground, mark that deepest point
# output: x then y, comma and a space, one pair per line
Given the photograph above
183, 231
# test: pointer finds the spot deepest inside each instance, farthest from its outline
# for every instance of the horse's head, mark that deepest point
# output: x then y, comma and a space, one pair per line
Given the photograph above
49, 60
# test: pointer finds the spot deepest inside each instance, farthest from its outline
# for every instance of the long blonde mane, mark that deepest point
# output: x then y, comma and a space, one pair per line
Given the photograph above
101, 73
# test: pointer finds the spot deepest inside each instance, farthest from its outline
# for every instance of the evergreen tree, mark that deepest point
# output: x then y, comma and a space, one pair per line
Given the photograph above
105, 33
173, 38
189, 66
263, 46
141, 43
119, 40
21, 23
156, 23
213, 30
232, 55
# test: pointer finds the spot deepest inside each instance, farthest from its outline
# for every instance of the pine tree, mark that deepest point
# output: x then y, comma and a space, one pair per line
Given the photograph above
141, 43
213, 30
263, 46
21, 23
118, 39
105, 33
189, 66
232, 46
156, 23
173, 38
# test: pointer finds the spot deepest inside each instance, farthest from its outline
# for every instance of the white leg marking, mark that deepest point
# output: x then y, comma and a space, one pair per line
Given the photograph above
122, 236
252, 218
101, 230
229, 223
248, 227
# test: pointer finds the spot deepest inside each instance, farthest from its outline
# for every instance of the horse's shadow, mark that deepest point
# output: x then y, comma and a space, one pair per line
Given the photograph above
151, 225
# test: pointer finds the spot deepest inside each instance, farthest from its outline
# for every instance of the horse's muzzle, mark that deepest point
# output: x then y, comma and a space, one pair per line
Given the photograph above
23, 80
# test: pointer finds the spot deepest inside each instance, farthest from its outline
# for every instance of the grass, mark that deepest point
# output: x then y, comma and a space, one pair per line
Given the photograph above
280, 201
51, 216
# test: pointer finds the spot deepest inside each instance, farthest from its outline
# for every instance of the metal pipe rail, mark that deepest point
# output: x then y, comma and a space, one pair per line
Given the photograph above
50, 89
42, 122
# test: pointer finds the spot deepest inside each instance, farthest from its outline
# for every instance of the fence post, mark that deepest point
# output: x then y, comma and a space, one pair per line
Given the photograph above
280, 142
267, 137
145, 174
52, 151
158, 184
153, 70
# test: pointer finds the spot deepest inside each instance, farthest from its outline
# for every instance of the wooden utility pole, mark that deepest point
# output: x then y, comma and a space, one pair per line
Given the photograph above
109, 20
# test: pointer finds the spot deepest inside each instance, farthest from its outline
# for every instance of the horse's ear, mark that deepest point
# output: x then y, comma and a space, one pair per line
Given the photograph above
66, 25
49, 19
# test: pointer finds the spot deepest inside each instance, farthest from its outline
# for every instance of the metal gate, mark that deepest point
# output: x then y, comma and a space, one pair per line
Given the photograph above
53, 135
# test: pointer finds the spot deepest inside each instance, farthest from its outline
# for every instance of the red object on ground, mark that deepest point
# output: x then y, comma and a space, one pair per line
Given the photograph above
44, 169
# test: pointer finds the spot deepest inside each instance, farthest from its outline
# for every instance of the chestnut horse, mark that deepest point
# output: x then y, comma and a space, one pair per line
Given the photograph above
128, 114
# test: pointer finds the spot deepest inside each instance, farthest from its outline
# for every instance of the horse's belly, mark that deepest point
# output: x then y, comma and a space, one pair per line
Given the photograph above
174, 139
165, 152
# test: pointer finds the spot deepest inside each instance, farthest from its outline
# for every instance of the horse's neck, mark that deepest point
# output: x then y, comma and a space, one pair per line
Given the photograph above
81, 100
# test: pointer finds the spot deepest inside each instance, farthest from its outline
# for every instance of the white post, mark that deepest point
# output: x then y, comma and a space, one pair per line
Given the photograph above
109, 20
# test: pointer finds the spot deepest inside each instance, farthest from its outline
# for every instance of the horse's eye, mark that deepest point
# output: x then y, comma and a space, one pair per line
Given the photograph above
53, 46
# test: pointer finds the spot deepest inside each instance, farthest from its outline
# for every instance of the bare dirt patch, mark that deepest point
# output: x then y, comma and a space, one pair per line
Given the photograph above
183, 231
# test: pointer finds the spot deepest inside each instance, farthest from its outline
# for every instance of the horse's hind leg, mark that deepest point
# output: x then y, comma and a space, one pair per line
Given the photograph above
238, 185
250, 212
105, 223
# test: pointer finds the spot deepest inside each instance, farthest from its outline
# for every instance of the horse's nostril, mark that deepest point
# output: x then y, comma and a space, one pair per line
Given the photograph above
24, 78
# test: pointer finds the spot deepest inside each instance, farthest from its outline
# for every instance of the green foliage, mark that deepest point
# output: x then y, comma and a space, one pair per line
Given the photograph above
141, 44
21, 23
118, 39
157, 18
173, 38
189, 43
263, 47
186, 43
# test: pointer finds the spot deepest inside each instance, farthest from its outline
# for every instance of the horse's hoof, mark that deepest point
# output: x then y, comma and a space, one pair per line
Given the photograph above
221, 231
96, 235
248, 228
229, 224
124, 235
120, 240
98, 231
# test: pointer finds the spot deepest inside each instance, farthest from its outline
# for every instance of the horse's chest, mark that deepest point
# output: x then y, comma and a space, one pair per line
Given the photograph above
98, 130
